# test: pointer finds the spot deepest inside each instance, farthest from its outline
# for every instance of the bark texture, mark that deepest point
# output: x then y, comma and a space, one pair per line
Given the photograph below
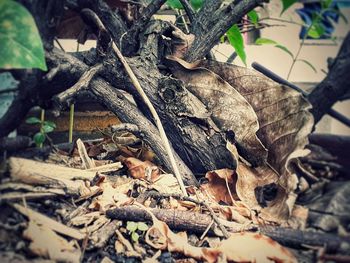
335, 85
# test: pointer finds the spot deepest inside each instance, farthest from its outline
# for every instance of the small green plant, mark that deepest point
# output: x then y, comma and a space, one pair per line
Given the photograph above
45, 128
135, 229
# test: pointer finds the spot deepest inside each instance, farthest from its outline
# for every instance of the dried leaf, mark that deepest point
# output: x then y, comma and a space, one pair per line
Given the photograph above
142, 170
86, 160
218, 181
283, 113
229, 110
46, 243
167, 184
49, 223
181, 42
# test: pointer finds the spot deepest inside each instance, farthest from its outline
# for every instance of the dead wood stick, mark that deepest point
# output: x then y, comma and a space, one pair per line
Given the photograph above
86, 160
296, 238
48, 222
219, 222
66, 98
55, 176
189, 10
175, 219
136, 83
197, 223
107, 167
14, 144
16, 196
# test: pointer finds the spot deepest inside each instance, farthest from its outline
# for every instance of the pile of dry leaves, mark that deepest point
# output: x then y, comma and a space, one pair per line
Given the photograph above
106, 200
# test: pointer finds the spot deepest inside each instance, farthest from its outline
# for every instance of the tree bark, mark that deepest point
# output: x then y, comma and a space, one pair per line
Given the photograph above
335, 85
208, 29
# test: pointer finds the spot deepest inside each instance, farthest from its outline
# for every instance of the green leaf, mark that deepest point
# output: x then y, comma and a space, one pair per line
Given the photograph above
222, 39
341, 15
47, 128
285, 50
236, 40
253, 17
135, 237
142, 226
50, 123
308, 63
21, 45
316, 31
131, 226
265, 41
286, 4
197, 4
39, 138
326, 3
176, 4
33, 120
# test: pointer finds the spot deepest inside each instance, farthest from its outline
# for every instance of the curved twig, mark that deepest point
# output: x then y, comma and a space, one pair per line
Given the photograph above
135, 82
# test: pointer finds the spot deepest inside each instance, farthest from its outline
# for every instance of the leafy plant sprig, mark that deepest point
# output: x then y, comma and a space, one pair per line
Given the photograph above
45, 128
136, 229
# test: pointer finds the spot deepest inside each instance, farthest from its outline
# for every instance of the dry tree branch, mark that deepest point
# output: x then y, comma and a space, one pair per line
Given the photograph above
130, 41
206, 38
67, 96
189, 10
135, 82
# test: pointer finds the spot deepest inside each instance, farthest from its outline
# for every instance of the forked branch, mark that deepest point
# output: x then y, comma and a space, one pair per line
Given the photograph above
135, 82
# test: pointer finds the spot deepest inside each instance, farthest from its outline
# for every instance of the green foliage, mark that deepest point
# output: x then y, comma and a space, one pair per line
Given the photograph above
142, 226
8, 87
48, 126
131, 226
253, 17
286, 4
236, 40
176, 4
45, 128
39, 138
285, 50
134, 228
33, 120
21, 46
326, 4
316, 30
267, 41
135, 236
308, 63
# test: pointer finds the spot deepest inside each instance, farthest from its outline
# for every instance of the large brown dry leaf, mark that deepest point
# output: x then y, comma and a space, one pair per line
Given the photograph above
229, 110
283, 113
283, 125
279, 208
240, 247
46, 243
221, 185
142, 170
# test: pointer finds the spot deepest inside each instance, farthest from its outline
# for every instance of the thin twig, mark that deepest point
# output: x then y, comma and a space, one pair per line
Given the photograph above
189, 10
154, 113
147, 101
82, 83
207, 230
